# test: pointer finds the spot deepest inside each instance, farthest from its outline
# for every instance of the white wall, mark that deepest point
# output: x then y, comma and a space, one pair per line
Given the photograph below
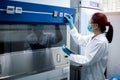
63, 3
114, 51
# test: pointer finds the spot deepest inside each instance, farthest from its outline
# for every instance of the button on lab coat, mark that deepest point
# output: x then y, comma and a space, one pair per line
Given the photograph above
96, 55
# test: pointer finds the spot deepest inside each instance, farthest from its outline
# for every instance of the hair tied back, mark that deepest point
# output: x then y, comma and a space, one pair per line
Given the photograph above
108, 24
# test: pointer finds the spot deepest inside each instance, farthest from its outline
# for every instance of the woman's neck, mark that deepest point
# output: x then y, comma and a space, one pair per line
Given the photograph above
96, 33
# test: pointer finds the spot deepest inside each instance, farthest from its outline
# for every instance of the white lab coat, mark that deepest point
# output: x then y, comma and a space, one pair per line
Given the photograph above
96, 55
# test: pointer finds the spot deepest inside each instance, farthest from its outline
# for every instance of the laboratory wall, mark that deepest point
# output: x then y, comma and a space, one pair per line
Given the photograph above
113, 67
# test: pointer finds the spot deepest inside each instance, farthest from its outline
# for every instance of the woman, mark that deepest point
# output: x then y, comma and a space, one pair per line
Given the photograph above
94, 61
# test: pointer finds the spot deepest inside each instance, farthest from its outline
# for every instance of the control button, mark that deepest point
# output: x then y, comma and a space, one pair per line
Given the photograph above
61, 14
18, 10
55, 13
10, 10
65, 14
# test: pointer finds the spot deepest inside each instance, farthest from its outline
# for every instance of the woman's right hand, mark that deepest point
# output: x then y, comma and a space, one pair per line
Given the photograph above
70, 20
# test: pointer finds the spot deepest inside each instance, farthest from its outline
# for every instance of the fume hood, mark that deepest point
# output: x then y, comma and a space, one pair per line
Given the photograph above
31, 36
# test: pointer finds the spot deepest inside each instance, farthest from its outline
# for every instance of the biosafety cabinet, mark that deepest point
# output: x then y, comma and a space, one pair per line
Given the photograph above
31, 37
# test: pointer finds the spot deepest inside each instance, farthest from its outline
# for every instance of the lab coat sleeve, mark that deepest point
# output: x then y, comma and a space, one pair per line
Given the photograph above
78, 38
95, 54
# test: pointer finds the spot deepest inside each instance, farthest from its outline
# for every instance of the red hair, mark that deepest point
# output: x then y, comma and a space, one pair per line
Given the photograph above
101, 20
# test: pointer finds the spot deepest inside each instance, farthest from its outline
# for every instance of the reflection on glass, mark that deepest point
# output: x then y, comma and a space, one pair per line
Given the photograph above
43, 39
29, 46
18, 37
40, 39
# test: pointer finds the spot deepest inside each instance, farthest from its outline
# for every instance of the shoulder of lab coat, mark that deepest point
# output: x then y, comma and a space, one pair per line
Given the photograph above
95, 52
79, 39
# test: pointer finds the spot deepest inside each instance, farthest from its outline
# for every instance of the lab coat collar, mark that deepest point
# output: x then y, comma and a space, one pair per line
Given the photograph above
99, 36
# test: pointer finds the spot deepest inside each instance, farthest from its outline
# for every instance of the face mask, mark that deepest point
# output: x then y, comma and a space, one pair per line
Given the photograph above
89, 27
40, 27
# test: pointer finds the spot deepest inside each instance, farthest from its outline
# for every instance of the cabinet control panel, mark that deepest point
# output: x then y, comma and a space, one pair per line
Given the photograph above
13, 11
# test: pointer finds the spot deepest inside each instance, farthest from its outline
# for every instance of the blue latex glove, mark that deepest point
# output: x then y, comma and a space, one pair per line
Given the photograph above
68, 52
70, 21
116, 77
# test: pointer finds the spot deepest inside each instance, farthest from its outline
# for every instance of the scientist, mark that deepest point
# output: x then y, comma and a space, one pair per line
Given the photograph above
94, 61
